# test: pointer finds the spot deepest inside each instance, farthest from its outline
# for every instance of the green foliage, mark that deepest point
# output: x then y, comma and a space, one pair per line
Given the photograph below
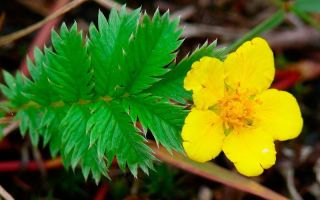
37, 90
153, 114
107, 47
86, 94
308, 5
171, 84
304, 10
13, 90
69, 70
160, 38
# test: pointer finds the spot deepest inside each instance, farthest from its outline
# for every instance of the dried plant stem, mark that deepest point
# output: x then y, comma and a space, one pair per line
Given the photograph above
184, 13
213, 172
108, 4
73, 4
39, 161
21, 33
4, 194
11, 127
38, 7
5, 120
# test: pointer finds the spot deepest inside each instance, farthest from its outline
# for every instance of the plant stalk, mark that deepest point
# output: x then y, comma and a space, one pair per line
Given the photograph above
273, 21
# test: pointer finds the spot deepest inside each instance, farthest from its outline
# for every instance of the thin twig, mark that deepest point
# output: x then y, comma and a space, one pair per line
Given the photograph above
39, 161
36, 6
18, 165
289, 174
11, 127
21, 33
201, 30
5, 194
108, 4
295, 21
5, 120
213, 172
184, 13
294, 39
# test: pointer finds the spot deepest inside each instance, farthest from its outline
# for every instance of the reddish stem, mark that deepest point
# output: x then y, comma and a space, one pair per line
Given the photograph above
13, 166
102, 192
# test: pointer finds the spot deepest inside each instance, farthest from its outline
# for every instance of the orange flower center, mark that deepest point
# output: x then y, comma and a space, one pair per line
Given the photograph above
237, 110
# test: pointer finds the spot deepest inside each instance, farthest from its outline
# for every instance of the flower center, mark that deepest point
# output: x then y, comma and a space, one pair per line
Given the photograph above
237, 110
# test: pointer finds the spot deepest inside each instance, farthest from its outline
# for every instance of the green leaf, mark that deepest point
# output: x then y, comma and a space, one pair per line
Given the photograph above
49, 127
39, 89
97, 128
90, 162
74, 99
36, 68
107, 48
9, 80
308, 5
69, 69
75, 143
46, 123
14, 89
73, 127
171, 84
306, 17
151, 50
29, 120
77, 154
164, 119
126, 143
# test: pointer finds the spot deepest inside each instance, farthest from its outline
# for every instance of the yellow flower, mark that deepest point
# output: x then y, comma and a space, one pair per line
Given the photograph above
235, 112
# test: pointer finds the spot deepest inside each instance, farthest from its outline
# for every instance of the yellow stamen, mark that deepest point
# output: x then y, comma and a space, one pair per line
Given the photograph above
237, 109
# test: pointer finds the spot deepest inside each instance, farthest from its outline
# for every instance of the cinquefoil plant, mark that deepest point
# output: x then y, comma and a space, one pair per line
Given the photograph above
86, 95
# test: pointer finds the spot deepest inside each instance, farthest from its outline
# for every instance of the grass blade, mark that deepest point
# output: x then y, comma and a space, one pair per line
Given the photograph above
266, 25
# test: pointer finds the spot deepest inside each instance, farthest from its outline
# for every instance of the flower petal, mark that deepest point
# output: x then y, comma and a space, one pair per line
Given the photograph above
251, 66
202, 135
279, 114
206, 80
251, 150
